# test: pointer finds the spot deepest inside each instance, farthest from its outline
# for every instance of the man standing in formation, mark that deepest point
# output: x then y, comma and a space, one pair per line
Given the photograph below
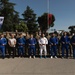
42, 44
65, 41
12, 45
73, 45
20, 45
32, 48
3, 43
53, 41
21, 41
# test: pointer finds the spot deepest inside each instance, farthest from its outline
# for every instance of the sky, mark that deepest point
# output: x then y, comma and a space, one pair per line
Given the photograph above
63, 10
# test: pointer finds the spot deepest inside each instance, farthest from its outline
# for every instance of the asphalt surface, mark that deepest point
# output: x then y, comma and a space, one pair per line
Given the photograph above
37, 66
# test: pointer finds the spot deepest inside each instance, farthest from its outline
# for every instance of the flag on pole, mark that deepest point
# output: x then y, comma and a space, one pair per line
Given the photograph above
49, 19
1, 21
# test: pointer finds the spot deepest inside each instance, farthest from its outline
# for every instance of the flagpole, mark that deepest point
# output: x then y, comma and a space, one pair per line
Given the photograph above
48, 13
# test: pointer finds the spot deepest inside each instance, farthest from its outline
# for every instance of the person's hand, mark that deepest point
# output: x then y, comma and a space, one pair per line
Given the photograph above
54, 44
73, 43
3, 44
51, 43
33, 44
63, 42
20, 43
29, 44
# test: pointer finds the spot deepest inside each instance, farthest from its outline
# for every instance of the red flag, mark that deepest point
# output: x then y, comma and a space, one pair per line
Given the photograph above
49, 19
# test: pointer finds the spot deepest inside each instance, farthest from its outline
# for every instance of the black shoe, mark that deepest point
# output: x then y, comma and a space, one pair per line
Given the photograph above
13, 57
67, 57
3, 57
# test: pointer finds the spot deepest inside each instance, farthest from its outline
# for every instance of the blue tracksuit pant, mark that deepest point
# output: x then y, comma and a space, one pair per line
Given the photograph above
2, 49
21, 51
63, 48
53, 50
32, 50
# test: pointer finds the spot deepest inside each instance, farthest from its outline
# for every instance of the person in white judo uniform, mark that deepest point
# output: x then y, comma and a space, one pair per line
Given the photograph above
42, 44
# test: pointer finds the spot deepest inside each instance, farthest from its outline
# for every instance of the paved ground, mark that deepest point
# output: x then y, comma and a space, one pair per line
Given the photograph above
37, 66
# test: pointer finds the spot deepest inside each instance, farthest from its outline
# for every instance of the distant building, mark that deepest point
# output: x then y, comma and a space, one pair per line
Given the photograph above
55, 31
60, 31
51, 30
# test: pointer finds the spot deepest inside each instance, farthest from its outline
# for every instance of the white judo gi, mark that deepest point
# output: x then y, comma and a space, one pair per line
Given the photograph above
42, 43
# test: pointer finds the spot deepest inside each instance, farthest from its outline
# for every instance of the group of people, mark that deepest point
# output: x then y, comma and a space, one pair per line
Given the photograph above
20, 44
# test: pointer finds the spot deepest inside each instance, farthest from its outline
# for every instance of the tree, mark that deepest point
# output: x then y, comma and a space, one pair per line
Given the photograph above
22, 27
11, 17
45, 20
72, 29
30, 19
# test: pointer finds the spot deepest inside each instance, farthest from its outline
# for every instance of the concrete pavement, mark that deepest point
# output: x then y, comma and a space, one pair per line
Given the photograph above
37, 66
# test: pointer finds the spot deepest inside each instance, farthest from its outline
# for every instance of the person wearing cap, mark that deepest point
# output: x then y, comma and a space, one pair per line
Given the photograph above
42, 44
32, 47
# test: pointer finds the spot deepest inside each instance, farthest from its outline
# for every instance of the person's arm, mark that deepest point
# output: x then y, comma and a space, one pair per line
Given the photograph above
35, 42
39, 41
46, 41
9, 43
56, 40
5, 41
15, 41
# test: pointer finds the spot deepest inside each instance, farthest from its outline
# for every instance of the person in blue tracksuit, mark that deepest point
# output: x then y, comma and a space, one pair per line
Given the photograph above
32, 48
65, 41
53, 41
3, 42
73, 44
21, 41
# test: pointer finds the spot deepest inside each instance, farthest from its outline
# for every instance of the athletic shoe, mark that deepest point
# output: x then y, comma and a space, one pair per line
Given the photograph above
45, 57
51, 57
40, 56
34, 57
55, 56
30, 57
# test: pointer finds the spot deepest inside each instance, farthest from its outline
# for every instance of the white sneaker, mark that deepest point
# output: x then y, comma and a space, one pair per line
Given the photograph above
51, 57
34, 57
30, 57
55, 56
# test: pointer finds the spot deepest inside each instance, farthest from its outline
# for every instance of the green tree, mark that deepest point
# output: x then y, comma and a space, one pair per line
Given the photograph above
11, 17
22, 27
30, 19
43, 21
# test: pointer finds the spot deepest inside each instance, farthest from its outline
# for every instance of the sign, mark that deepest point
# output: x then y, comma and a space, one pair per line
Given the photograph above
1, 21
